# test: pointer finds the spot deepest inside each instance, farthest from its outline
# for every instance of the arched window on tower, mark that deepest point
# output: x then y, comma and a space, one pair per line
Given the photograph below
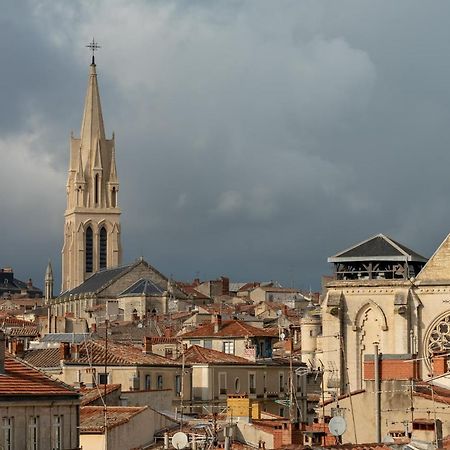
114, 197
96, 188
103, 247
89, 250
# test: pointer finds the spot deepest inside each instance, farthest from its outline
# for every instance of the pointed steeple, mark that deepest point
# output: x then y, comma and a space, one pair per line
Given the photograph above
79, 177
92, 128
98, 158
113, 168
48, 282
49, 272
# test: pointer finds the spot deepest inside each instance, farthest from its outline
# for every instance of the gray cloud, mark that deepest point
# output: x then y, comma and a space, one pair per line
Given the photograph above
254, 138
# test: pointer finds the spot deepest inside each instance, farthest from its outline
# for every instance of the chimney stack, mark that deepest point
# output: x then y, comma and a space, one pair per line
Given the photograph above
147, 345
216, 319
2, 351
64, 351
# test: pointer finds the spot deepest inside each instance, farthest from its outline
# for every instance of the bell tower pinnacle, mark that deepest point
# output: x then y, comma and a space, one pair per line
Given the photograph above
92, 217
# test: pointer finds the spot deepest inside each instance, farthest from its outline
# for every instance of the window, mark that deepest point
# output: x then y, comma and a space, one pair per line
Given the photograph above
281, 412
103, 247
228, 347
96, 188
168, 352
281, 382
8, 432
160, 382
57, 432
103, 378
265, 382
114, 197
251, 383
299, 383
89, 250
207, 343
237, 385
178, 385
33, 433
148, 382
222, 383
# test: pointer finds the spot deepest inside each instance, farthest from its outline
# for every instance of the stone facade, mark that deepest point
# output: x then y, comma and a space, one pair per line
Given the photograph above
92, 217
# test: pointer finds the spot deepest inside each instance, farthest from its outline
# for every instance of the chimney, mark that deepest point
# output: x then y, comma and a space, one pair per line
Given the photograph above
168, 332
17, 348
225, 285
64, 351
216, 319
75, 351
147, 345
2, 352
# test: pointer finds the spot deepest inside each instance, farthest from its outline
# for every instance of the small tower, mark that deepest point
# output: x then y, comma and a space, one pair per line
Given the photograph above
49, 283
310, 326
92, 217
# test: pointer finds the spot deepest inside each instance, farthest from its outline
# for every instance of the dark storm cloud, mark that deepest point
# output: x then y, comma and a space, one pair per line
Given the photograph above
254, 138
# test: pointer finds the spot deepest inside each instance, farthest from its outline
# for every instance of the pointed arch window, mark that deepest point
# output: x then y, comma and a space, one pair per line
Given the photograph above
114, 197
89, 250
103, 247
96, 188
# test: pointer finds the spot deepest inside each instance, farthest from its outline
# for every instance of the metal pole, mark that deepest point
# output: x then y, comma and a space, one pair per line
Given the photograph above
377, 393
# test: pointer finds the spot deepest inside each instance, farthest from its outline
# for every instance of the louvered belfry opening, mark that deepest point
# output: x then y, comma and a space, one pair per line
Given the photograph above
89, 250
103, 247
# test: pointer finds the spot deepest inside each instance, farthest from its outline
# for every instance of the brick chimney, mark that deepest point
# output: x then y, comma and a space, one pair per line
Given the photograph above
17, 348
2, 351
147, 345
75, 351
64, 351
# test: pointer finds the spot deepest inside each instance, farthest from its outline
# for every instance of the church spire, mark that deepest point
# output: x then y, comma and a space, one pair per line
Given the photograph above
92, 128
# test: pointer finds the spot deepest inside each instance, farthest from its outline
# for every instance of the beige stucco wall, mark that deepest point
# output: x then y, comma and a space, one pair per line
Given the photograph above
138, 432
124, 376
395, 407
205, 382
22, 410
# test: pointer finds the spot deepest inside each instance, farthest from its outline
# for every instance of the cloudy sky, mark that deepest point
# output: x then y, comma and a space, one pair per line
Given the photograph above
254, 138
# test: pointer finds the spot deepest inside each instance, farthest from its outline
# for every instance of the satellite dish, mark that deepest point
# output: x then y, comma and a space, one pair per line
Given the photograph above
282, 336
179, 440
337, 426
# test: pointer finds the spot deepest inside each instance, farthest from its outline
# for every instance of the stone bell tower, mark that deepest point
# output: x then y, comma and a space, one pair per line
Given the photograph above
92, 216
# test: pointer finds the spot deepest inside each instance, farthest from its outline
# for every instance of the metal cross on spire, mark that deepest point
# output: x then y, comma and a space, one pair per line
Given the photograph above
93, 46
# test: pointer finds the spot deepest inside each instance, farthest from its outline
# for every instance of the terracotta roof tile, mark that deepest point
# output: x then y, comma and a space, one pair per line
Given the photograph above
92, 418
230, 328
197, 354
90, 395
118, 355
22, 379
43, 357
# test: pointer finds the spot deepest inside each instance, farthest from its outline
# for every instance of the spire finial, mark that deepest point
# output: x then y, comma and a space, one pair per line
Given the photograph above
93, 46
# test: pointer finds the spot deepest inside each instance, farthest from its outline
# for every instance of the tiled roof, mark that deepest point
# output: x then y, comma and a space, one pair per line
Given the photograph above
230, 328
72, 338
92, 418
192, 292
90, 395
117, 355
143, 287
98, 280
21, 379
196, 354
7, 320
30, 331
379, 246
43, 357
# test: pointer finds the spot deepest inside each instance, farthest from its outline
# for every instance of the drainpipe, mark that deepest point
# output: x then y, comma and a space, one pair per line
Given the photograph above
377, 393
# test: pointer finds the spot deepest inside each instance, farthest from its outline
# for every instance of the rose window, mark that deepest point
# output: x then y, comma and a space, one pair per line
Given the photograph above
437, 339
